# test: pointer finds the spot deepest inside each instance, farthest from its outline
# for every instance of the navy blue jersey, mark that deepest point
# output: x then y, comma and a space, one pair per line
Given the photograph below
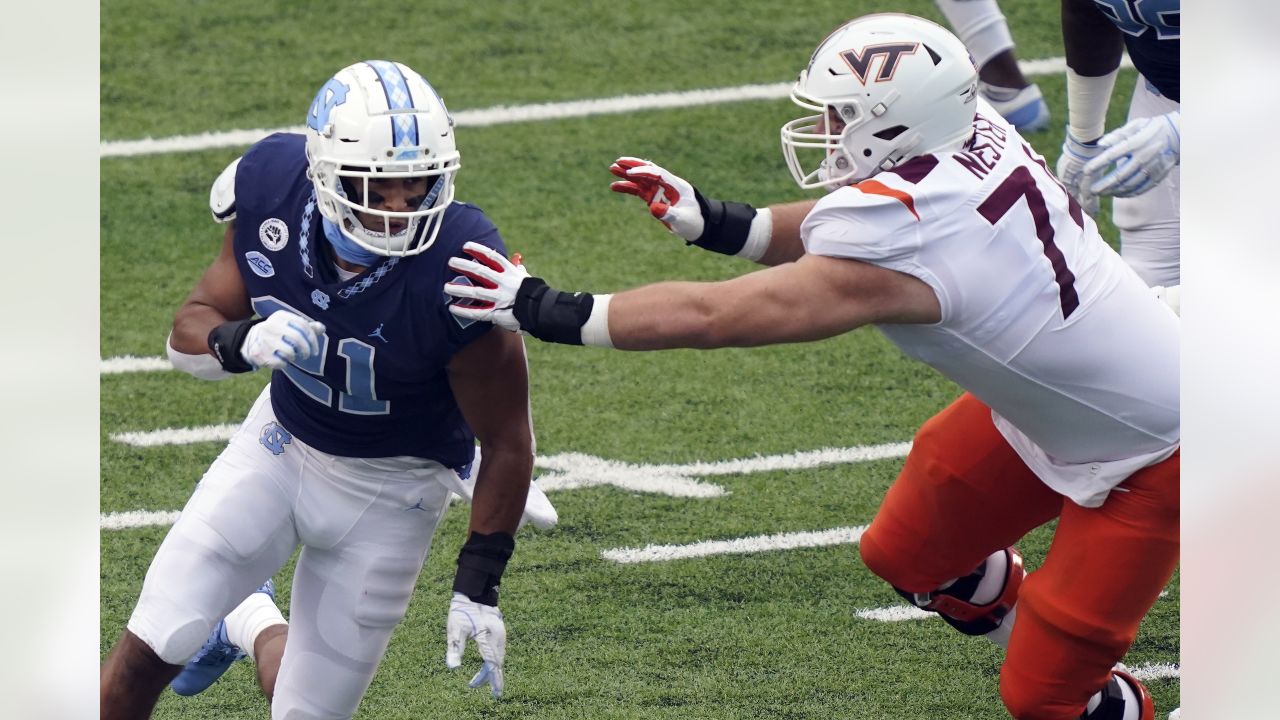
378, 387
1152, 29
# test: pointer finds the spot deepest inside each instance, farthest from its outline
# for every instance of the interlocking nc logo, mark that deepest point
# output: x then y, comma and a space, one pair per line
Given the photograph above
859, 61
274, 438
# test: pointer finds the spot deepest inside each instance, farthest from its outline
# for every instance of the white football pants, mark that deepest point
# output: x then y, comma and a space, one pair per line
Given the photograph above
1150, 224
365, 527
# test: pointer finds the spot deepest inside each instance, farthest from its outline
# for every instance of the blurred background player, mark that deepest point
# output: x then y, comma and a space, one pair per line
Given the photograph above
1137, 163
338, 241
944, 229
982, 28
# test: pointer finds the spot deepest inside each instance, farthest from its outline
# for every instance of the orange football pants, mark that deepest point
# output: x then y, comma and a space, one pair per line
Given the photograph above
964, 494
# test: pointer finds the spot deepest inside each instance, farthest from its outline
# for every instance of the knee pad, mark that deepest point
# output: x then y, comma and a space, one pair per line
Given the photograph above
952, 602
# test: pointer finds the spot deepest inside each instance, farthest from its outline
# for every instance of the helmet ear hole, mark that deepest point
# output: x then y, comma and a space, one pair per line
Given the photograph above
890, 133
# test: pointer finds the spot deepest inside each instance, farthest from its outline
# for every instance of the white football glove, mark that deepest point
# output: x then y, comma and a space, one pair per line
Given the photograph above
282, 338
468, 619
671, 198
1143, 150
1071, 163
497, 280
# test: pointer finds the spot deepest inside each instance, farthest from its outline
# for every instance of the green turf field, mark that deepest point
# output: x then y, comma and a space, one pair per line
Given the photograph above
757, 635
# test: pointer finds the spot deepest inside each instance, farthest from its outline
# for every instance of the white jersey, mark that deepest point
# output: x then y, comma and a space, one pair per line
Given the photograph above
1041, 320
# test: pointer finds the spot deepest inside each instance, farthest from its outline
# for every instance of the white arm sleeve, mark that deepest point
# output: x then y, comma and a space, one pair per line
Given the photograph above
203, 366
1087, 101
222, 196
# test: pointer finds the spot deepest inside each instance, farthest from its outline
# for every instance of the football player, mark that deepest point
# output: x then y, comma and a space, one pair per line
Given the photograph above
1138, 162
329, 277
944, 229
982, 28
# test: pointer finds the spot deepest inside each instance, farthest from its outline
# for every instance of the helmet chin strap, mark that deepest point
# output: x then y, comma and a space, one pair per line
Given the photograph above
345, 248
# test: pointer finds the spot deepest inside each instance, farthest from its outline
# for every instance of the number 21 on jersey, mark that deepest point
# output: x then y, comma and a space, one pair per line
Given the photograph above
359, 396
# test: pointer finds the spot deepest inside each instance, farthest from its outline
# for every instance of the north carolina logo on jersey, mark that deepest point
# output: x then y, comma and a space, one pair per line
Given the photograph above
274, 233
859, 61
320, 299
274, 438
259, 264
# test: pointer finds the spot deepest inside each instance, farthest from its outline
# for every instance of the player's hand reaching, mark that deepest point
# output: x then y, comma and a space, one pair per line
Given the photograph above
671, 199
483, 623
1139, 155
497, 282
1071, 164
282, 338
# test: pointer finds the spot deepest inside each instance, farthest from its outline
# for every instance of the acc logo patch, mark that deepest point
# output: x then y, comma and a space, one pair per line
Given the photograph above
259, 264
274, 233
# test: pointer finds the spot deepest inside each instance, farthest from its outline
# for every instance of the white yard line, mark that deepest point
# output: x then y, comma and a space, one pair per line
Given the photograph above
177, 436
563, 471
509, 114
132, 364
737, 546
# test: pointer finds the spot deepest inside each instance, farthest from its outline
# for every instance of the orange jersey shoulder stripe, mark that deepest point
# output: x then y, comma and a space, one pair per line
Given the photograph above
875, 187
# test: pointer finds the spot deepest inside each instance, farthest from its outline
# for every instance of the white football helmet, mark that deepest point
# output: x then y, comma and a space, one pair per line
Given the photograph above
380, 120
886, 87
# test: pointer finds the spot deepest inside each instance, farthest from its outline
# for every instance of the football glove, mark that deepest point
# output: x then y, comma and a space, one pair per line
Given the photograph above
672, 200
1071, 163
715, 225
1143, 152
468, 620
282, 338
497, 280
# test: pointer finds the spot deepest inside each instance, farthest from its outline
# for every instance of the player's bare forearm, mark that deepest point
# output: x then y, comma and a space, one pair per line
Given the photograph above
501, 488
784, 243
218, 297
1093, 44
490, 382
811, 299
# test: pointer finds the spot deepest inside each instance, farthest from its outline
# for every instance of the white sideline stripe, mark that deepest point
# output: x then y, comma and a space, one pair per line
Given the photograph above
759, 543
507, 114
130, 363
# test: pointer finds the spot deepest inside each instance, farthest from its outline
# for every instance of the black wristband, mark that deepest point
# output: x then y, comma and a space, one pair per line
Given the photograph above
549, 314
225, 342
727, 225
480, 566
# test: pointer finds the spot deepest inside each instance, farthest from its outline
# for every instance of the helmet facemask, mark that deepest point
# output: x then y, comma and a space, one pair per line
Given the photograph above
847, 156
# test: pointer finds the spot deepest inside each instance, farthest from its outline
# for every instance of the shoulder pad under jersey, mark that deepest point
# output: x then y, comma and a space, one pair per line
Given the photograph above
222, 196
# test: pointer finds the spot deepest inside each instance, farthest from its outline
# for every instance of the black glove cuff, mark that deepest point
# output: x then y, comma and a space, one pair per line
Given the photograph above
727, 225
480, 566
549, 314
226, 340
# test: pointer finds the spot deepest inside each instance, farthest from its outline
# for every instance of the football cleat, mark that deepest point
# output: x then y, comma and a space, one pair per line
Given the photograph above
214, 657
1112, 706
953, 606
1025, 109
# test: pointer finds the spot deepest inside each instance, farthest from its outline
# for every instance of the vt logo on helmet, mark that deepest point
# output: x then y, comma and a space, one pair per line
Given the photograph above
885, 88
382, 159
860, 62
